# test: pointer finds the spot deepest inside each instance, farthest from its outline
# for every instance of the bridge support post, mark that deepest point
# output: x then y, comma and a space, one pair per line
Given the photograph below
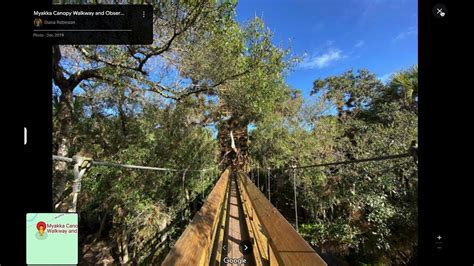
81, 165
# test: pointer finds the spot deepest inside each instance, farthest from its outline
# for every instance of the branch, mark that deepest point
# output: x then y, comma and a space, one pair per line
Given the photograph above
176, 33
74, 79
58, 75
96, 58
79, 76
194, 88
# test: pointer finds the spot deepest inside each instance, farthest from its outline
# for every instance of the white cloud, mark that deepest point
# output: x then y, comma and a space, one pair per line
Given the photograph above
410, 31
359, 44
322, 60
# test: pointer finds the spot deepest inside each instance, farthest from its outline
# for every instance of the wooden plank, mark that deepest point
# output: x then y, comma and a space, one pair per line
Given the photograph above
216, 254
195, 244
251, 223
260, 245
286, 245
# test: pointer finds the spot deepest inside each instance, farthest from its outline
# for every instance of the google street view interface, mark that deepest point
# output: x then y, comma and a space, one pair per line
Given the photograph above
206, 132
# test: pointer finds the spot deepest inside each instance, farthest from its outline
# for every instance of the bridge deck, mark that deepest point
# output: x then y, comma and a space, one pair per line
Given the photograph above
236, 230
236, 210
277, 241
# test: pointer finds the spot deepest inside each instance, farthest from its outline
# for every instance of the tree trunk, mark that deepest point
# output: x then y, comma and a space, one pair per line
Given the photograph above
233, 142
123, 247
65, 113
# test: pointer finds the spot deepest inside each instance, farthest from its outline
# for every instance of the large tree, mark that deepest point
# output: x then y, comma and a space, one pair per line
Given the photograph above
139, 69
160, 105
199, 49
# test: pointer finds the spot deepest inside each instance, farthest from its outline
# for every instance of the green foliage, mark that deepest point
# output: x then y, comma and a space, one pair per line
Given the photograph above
139, 203
260, 91
366, 212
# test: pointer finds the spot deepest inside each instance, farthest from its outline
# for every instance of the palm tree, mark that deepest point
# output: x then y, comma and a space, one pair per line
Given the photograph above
403, 86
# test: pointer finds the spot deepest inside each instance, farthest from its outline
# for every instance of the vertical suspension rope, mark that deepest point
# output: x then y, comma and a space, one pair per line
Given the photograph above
183, 214
202, 185
258, 176
251, 170
268, 185
295, 197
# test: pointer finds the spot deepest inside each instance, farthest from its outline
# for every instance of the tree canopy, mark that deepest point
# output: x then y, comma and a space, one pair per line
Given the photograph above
366, 212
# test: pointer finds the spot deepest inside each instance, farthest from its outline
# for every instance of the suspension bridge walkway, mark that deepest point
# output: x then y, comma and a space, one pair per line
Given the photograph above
237, 225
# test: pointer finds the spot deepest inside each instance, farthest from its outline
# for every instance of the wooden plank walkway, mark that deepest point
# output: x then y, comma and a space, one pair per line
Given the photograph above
286, 246
236, 210
194, 245
236, 229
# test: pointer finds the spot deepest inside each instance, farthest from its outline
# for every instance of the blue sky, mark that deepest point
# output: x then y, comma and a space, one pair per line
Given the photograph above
335, 35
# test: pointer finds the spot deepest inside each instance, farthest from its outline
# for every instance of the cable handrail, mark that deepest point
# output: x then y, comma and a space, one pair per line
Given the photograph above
130, 166
371, 159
